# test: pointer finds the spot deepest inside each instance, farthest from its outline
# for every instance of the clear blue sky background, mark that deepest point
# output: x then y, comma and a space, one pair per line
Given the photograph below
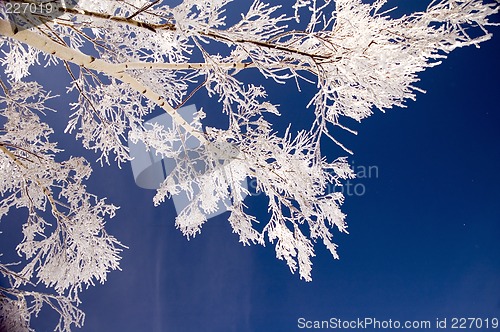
423, 242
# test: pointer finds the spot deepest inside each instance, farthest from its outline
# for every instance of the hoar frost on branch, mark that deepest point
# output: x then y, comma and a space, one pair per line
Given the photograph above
128, 58
65, 244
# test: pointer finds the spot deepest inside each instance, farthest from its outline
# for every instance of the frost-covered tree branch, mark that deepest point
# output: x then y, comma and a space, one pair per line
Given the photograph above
65, 245
125, 59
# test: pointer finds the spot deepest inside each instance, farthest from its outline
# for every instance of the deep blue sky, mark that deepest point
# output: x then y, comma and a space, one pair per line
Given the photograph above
423, 242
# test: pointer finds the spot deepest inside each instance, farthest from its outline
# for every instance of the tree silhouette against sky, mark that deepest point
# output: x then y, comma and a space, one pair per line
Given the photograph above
127, 58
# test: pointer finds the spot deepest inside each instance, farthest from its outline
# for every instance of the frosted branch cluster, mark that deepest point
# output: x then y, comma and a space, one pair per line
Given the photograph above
128, 58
